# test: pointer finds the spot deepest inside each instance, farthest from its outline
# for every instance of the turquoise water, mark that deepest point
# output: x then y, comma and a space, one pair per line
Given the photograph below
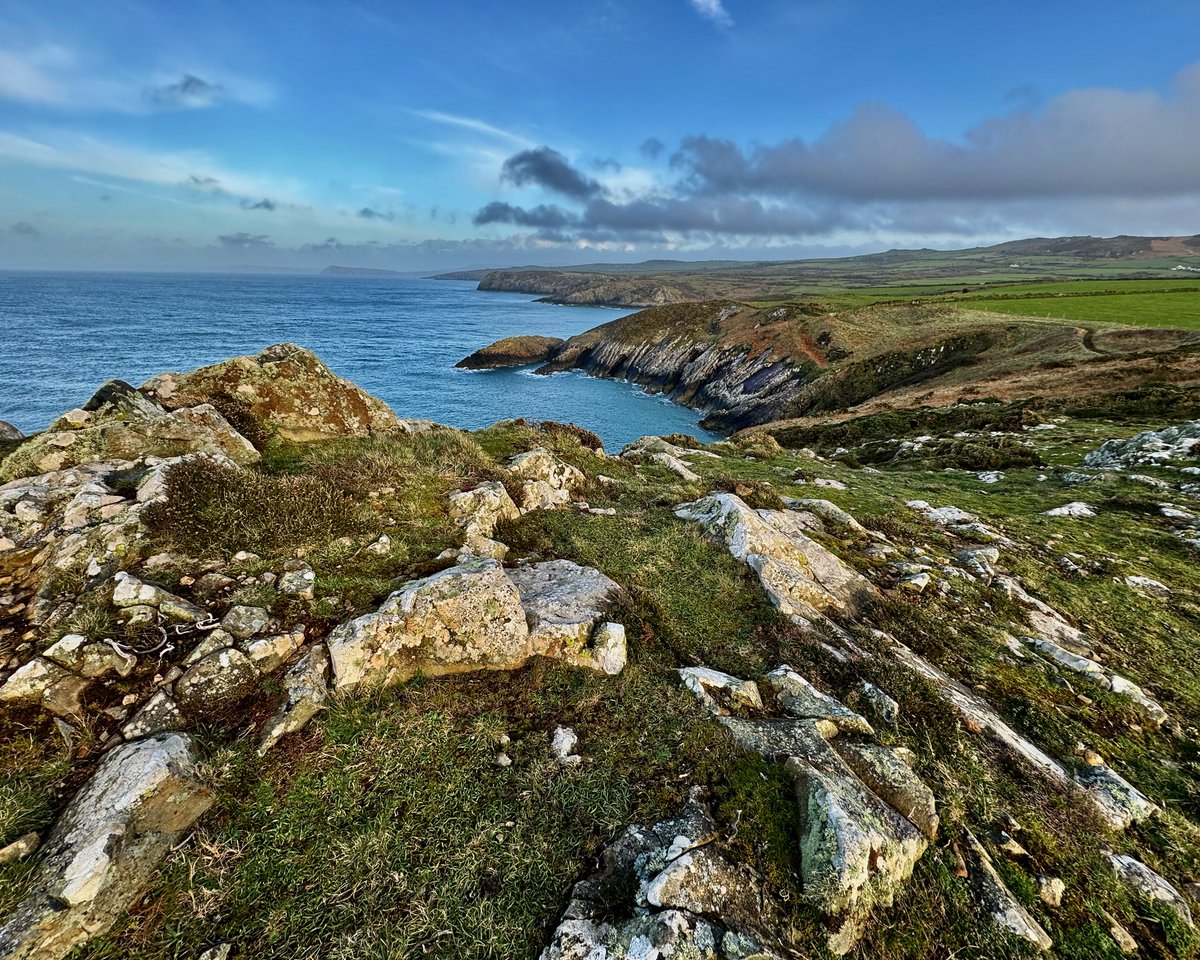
63, 334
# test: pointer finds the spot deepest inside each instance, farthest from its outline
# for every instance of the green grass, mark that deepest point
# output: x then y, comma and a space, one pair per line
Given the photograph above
1176, 309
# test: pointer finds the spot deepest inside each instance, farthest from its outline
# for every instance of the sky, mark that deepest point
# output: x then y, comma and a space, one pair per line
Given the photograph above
208, 135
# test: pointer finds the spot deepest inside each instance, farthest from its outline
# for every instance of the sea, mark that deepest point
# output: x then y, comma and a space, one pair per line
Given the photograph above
64, 334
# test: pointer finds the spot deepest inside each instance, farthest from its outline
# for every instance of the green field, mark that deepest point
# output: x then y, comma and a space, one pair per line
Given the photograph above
1141, 309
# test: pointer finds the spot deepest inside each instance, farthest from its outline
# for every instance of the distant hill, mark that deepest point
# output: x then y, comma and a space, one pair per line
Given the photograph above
335, 271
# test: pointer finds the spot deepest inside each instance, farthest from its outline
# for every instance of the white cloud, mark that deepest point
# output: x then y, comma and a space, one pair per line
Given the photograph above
50, 75
474, 125
713, 10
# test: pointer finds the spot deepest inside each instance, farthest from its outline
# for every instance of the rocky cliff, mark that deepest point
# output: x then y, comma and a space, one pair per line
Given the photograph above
587, 289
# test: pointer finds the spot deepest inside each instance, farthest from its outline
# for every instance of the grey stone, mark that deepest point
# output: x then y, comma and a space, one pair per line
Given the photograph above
242, 622
306, 689
217, 682
997, 900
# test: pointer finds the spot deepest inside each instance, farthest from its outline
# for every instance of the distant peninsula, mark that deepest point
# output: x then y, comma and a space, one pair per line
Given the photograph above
333, 270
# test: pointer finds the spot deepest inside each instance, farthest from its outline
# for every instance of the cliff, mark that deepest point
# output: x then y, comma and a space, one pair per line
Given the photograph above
586, 289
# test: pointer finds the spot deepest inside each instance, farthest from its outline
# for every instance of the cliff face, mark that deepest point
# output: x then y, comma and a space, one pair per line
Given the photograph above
585, 289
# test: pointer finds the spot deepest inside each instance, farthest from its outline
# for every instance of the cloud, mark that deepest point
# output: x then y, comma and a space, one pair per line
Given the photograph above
474, 125
370, 213
713, 10
23, 229
542, 216
189, 92
263, 204
550, 170
245, 241
652, 147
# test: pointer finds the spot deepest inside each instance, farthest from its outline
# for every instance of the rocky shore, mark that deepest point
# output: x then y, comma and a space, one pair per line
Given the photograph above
679, 703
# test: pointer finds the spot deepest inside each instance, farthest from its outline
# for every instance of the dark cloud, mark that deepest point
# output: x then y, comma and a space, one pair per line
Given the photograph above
197, 182
550, 170
543, 216
23, 229
652, 147
370, 213
245, 241
189, 92
263, 204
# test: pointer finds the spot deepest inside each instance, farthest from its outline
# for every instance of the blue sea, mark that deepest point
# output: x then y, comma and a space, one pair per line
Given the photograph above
64, 334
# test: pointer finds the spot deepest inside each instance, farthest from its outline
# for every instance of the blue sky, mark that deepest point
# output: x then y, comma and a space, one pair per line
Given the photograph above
419, 136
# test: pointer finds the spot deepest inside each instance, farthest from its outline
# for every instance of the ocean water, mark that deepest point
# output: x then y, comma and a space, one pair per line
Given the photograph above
64, 334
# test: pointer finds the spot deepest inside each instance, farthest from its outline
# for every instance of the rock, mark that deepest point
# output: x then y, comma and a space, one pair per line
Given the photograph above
119, 423
298, 583
1148, 586
286, 389
990, 476
106, 846
564, 604
306, 689
670, 891
42, 682
159, 714
674, 464
562, 745
1051, 890
885, 709
217, 682
243, 622
1126, 688
20, 848
1172, 445
220, 952
381, 547
799, 698
268, 654
513, 352
129, 592
802, 579
915, 582
1145, 883
888, 772
539, 495
997, 900
10, 433
721, 693
831, 513
478, 511
1075, 509
468, 617
540, 465
1121, 937
1065, 658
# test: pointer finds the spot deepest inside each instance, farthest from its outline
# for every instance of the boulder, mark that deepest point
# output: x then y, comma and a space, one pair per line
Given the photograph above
10, 433
802, 579
106, 847
159, 714
888, 772
1074, 509
217, 682
286, 389
468, 617
130, 592
119, 423
478, 510
799, 698
539, 464
540, 495
44, 683
721, 693
242, 622
997, 900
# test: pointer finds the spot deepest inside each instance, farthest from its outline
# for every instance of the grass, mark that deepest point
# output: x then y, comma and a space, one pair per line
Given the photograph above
388, 828
1174, 309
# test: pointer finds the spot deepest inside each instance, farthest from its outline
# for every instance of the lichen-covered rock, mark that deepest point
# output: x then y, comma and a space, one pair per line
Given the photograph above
670, 890
306, 688
10, 433
106, 846
44, 683
468, 617
802, 579
1149, 885
159, 714
888, 772
799, 698
300, 582
720, 692
1175, 445
217, 682
269, 653
540, 464
119, 423
286, 389
242, 622
997, 900
129, 592
478, 510
540, 495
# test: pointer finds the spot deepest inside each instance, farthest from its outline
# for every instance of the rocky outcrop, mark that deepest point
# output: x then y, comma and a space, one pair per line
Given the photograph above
475, 616
513, 352
547, 483
10, 433
287, 390
672, 891
866, 817
1172, 446
120, 424
584, 289
997, 900
106, 846
803, 579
